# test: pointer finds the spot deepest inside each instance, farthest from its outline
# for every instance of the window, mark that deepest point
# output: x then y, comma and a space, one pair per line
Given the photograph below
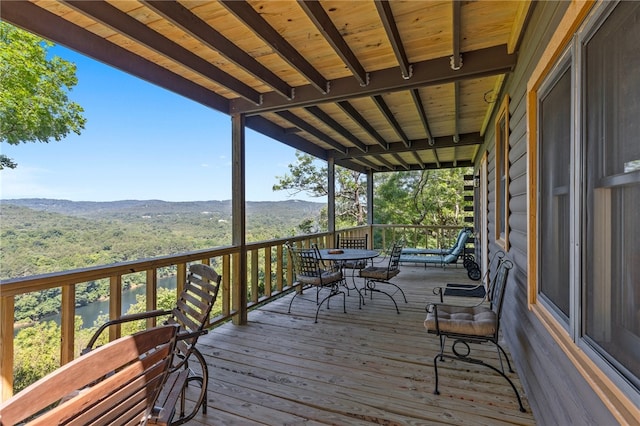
611, 240
502, 175
554, 183
584, 179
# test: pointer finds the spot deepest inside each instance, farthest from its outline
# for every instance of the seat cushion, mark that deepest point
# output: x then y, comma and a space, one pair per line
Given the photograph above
378, 273
328, 277
474, 320
354, 264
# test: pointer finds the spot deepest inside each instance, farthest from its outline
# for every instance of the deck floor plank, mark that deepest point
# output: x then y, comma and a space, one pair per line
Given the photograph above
368, 366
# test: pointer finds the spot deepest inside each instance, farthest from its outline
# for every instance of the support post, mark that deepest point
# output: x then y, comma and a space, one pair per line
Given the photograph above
331, 199
238, 214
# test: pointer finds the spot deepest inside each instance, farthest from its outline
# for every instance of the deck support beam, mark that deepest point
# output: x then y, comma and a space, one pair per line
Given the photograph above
238, 215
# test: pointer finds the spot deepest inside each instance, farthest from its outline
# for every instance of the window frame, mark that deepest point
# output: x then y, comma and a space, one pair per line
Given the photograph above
501, 213
580, 21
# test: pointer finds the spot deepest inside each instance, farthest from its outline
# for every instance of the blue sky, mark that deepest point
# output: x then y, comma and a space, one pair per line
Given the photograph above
141, 142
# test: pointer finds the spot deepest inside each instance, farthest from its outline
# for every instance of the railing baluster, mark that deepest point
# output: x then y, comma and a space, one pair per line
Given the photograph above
6, 346
67, 323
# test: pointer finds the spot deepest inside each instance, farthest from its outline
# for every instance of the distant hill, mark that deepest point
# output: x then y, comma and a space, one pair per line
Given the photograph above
109, 209
45, 235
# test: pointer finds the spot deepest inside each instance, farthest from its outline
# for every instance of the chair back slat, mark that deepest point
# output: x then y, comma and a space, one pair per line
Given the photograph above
499, 287
353, 242
119, 382
394, 257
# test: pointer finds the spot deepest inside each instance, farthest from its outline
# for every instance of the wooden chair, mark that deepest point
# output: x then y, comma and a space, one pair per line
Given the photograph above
191, 314
475, 324
118, 383
310, 271
374, 275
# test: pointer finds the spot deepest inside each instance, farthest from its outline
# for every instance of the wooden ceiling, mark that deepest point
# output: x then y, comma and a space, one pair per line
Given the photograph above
377, 85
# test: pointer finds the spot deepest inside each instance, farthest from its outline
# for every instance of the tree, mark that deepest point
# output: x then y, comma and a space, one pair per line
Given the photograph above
350, 191
426, 197
34, 106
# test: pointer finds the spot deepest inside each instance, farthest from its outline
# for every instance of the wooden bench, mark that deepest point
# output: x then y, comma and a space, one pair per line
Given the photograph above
118, 383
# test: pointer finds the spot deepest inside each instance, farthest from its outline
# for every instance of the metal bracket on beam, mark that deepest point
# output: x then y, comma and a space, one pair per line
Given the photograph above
407, 77
366, 83
453, 61
292, 96
431, 142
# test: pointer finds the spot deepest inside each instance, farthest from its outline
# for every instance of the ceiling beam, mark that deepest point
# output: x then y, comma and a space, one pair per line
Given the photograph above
417, 145
389, 23
355, 115
416, 157
36, 20
326, 119
132, 28
478, 63
391, 119
303, 125
386, 162
401, 161
247, 14
281, 134
184, 19
456, 58
325, 25
417, 101
456, 112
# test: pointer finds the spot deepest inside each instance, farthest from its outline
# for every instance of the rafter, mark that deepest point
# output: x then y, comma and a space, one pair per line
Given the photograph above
355, 115
300, 123
456, 112
456, 58
136, 30
417, 145
39, 21
477, 63
391, 119
401, 161
325, 25
326, 119
417, 101
243, 11
182, 18
389, 23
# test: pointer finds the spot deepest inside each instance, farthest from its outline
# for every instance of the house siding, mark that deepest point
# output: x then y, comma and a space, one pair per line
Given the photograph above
557, 392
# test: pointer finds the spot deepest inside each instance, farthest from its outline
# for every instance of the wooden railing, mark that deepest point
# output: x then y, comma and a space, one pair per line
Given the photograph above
267, 276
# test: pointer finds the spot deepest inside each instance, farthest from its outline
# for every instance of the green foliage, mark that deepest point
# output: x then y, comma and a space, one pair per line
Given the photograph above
34, 106
427, 197
309, 176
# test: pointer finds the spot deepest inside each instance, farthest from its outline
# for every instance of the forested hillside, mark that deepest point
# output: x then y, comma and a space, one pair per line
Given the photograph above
44, 235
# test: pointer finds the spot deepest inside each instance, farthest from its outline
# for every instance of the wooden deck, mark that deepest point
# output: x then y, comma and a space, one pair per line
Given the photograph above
368, 366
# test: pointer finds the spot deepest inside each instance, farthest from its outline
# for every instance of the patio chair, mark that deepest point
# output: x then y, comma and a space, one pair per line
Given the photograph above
472, 290
374, 275
118, 383
191, 314
475, 324
311, 272
354, 265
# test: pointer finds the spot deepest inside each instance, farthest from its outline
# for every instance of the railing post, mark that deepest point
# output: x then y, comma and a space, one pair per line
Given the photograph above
267, 271
6, 347
67, 323
152, 294
115, 304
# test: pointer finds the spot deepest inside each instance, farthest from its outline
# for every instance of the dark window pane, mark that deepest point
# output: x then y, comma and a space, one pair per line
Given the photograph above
554, 181
612, 194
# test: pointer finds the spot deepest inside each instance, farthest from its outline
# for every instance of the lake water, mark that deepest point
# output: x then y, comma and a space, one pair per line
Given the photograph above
93, 311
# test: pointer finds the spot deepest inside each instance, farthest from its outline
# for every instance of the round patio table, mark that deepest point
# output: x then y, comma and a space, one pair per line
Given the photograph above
346, 254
